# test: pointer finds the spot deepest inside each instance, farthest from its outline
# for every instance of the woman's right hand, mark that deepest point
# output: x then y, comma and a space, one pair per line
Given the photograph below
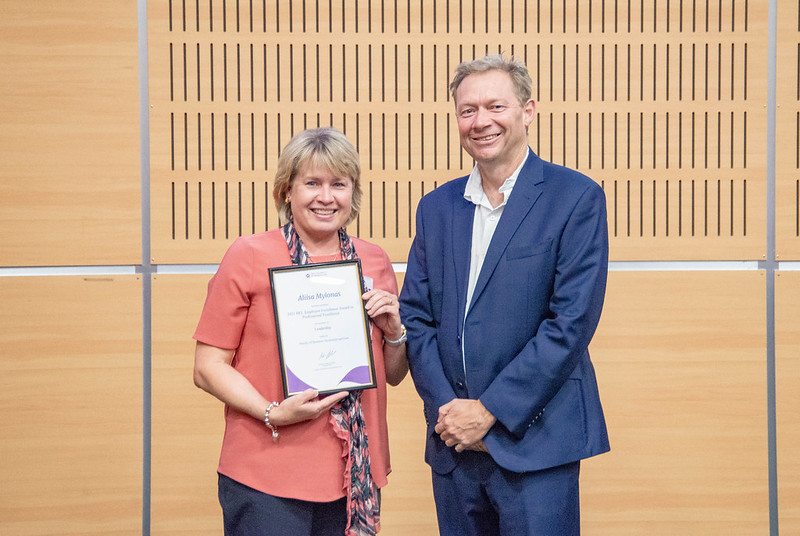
213, 373
304, 406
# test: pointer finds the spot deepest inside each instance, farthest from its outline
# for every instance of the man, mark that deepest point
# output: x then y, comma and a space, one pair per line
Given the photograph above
502, 294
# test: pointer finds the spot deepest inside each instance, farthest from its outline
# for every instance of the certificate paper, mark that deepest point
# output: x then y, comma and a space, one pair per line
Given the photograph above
322, 327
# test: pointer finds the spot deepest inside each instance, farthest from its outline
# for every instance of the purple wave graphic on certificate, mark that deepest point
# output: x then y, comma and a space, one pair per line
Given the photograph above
359, 376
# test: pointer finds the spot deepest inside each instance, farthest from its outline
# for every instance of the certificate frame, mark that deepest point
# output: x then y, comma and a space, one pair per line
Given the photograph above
322, 328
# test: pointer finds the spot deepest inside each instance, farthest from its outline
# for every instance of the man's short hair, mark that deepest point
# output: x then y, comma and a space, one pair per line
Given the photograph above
523, 86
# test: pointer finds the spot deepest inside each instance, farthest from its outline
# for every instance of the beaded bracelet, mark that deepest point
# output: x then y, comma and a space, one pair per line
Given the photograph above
269, 424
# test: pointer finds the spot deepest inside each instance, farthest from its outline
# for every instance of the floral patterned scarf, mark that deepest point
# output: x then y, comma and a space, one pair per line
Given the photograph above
347, 419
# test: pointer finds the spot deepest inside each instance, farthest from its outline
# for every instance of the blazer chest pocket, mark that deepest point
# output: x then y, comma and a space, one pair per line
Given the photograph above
529, 250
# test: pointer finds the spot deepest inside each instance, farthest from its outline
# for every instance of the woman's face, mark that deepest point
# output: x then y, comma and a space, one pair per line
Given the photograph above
321, 202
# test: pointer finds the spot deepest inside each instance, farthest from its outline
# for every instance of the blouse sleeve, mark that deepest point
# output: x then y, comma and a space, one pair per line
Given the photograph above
228, 299
378, 266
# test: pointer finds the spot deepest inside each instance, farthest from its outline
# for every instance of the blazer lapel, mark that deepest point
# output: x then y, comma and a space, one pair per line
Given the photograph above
526, 191
463, 215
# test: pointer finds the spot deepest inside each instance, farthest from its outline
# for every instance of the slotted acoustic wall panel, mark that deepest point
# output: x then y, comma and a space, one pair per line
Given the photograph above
663, 103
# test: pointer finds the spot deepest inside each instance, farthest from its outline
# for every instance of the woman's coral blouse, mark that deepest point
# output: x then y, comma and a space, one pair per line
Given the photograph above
306, 463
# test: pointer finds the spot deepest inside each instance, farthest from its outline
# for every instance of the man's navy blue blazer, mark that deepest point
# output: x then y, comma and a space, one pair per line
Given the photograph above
526, 333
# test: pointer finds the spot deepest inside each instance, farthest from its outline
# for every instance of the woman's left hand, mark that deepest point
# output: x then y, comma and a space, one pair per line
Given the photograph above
384, 310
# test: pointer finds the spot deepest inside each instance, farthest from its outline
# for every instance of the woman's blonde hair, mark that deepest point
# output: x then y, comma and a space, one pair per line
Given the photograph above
325, 147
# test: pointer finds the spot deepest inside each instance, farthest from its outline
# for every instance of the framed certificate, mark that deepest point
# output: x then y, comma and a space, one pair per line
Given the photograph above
322, 327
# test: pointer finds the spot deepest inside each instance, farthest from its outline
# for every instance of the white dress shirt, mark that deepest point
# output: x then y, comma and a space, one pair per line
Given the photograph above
485, 221
484, 224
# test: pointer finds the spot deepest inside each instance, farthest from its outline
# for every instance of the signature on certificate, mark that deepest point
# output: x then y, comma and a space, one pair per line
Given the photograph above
326, 359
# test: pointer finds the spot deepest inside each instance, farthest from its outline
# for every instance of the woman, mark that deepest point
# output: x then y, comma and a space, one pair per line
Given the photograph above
318, 474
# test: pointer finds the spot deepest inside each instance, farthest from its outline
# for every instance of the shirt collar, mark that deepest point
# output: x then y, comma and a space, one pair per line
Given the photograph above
473, 191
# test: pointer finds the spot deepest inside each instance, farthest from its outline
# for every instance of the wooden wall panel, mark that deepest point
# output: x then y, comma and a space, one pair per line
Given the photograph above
787, 372
681, 366
69, 146
187, 429
663, 104
71, 397
682, 371
187, 423
407, 502
787, 142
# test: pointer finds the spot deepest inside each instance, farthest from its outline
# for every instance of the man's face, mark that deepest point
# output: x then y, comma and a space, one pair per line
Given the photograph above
491, 122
